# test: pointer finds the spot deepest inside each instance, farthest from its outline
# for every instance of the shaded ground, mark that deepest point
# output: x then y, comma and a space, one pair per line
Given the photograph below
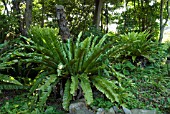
9, 94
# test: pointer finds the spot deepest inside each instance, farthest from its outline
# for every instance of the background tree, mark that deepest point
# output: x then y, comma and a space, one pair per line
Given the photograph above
28, 15
84, 15
140, 17
164, 3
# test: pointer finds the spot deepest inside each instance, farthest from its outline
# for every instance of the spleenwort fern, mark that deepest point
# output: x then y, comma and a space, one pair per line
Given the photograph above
77, 63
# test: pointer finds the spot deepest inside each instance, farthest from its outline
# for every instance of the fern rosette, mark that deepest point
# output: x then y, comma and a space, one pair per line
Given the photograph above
72, 65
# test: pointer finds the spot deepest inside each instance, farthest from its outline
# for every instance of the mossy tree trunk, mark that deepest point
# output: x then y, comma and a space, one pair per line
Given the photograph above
62, 23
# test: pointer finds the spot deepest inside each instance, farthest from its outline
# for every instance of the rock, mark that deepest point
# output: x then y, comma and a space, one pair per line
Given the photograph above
110, 111
141, 111
115, 109
79, 108
100, 111
94, 108
126, 111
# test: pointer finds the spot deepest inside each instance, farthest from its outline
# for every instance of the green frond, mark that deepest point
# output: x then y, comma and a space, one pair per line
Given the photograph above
95, 55
70, 66
101, 41
95, 67
68, 54
3, 45
48, 38
86, 87
60, 51
67, 96
8, 86
79, 57
78, 39
94, 42
7, 64
106, 87
46, 88
74, 84
9, 79
81, 52
38, 81
27, 39
44, 96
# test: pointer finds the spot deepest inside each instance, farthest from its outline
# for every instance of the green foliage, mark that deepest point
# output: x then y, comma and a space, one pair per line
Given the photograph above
19, 104
125, 67
101, 102
138, 46
93, 30
86, 87
140, 17
67, 95
150, 88
167, 46
72, 63
8, 24
12, 67
7, 81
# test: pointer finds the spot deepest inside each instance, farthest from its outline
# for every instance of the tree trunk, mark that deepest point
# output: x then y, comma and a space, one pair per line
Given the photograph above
98, 9
16, 10
43, 10
143, 17
162, 25
28, 15
62, 23
107, 18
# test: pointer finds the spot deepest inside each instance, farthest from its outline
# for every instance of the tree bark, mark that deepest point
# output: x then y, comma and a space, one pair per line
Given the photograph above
97, 13
28, 15
107, 18
162, 25
16, 10
62, 23
43, 10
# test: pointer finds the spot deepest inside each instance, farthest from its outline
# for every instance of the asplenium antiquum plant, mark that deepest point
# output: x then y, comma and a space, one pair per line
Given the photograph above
141, 45
76, 65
